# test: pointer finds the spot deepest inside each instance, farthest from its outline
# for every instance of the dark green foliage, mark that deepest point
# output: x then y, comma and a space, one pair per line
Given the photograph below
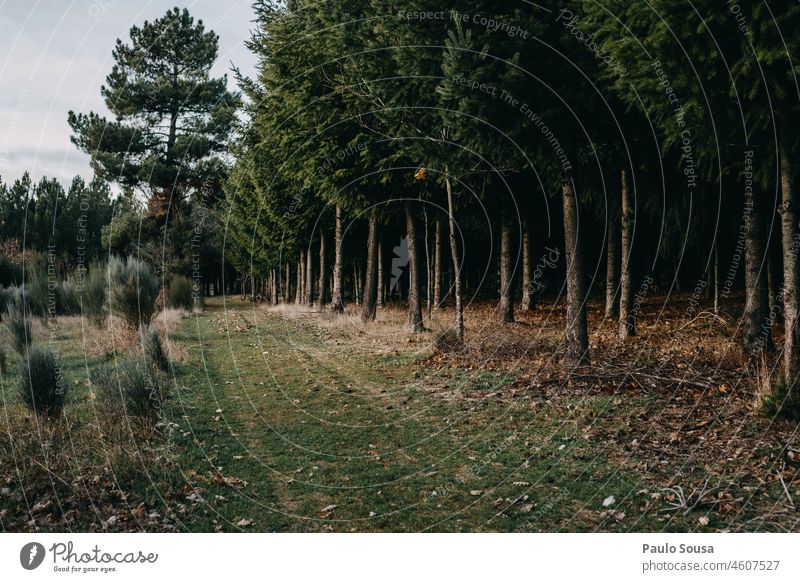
781, 401
42, 385
67, 224
3, 360
133, 290
152, 348
132, 388
180, 293
94, 295
171, 118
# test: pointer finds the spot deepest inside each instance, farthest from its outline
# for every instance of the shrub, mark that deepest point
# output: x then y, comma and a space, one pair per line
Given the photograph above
95, 294
3, 360
42, 386
132, 387
6, 295
180, 293
68, 297
19, 321
36, 286
152, 348
133, 290
781, 401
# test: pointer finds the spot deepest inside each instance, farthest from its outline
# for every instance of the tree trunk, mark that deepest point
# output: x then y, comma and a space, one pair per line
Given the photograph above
308, 285
371, 276
716, 274
456, 263
612, 307
322, 271
528, 298
790, 278
774, 275
627, 318
428, 277
337, 303
286, 284
577, 337
506, 302
414, 302
356, 283
299, 293
756, 336
437, 267
380, 272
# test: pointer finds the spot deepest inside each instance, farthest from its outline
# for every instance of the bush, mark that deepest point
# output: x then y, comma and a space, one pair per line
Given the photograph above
19, 321
38, 296
133, 290
781, 401
3, 360
132, 387
95, 294
6, 296
49, 296
42, 386
152, 348
180, 293
68, 300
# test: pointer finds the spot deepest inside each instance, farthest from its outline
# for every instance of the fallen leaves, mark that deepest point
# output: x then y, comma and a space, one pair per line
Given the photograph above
233, 482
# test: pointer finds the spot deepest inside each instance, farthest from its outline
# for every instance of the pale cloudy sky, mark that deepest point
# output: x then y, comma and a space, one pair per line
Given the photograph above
55, 54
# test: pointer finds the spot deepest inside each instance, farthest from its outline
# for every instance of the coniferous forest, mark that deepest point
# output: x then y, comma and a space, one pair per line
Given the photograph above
467, 266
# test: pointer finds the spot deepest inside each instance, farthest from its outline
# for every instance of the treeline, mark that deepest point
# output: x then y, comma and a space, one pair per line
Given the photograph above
43, 218
636, 148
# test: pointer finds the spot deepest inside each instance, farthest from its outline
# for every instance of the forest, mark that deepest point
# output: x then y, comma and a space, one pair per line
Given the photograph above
463, 266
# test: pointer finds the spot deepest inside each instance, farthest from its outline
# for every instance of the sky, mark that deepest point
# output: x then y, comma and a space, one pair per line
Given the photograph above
55, 55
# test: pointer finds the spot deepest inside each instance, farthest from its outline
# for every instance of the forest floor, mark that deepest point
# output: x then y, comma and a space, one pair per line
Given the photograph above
285, 419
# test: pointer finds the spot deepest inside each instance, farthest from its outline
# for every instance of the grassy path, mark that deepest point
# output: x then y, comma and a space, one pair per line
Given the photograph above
327, 438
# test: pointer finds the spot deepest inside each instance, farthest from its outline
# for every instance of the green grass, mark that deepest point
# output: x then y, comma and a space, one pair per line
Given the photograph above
310, 425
